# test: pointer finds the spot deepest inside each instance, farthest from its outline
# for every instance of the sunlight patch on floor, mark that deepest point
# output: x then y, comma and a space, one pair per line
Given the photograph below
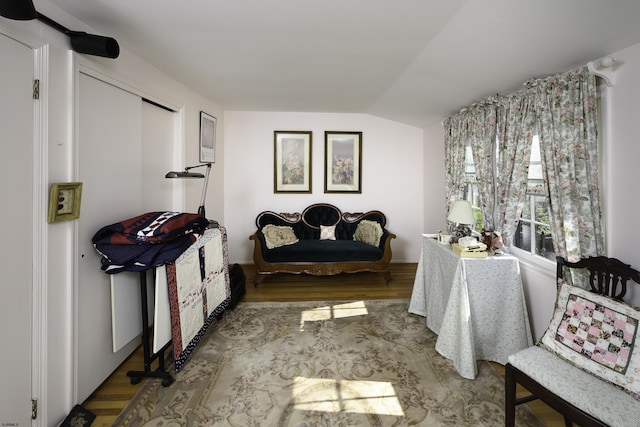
338, 311
328, 395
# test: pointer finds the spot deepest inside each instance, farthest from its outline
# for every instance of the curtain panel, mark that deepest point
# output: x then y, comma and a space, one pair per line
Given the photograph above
563, 111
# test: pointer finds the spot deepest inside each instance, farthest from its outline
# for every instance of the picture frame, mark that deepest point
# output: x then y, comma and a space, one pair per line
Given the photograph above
343, 162
207, 138
292, 161
64, 201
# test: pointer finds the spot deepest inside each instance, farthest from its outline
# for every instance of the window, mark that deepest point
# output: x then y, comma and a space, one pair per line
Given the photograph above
533, 234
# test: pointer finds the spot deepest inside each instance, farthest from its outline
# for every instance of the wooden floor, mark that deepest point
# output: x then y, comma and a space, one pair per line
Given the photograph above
114, 394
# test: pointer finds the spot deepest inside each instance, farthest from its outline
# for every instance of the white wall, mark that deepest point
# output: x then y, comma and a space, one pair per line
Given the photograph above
622, 154
392, 179
434, 180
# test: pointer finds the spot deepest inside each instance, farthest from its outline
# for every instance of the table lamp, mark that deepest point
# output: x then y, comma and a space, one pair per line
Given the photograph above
462, 215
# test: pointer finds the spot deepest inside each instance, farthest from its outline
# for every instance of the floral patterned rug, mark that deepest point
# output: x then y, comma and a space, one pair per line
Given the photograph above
366, 363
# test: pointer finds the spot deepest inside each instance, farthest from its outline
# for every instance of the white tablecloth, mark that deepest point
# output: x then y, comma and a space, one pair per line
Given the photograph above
475, 305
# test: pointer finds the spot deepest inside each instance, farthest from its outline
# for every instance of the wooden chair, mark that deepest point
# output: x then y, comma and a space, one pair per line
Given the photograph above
607, 276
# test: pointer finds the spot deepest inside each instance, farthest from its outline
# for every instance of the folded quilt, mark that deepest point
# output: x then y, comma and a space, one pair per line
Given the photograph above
148, 240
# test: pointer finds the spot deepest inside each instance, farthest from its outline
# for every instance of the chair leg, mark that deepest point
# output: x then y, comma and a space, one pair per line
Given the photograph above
509, 396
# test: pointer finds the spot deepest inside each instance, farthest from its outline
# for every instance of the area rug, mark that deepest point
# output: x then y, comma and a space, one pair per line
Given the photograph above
366, 363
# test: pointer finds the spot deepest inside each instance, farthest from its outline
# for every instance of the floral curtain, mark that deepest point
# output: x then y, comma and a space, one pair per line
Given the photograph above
516, 122
455, 141
482, 137
563, 109
568, 117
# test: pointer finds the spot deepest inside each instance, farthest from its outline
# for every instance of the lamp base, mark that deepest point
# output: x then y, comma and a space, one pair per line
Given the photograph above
460, 231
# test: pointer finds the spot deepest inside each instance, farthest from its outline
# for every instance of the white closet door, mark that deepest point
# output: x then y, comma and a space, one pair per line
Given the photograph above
16, 250
125, 149
157, 157
110, 168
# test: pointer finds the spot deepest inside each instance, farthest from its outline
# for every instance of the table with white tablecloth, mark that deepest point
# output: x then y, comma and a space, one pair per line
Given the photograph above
475, 305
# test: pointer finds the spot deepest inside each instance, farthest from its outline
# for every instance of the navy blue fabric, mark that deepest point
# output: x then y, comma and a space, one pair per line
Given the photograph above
324, 251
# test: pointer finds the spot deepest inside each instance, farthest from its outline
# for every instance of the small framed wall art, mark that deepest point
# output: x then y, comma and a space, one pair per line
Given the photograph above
207, 138
64, 201
343, 162
292, 162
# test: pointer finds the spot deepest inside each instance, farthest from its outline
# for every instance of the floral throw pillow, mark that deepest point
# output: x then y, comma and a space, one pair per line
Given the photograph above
278, 235
597, 334
327, 232
368, 232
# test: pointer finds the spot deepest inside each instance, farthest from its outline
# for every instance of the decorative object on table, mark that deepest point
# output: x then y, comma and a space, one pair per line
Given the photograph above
493, 240
64, 201
207, 138
78, 417
462, 216
195, 175
343, 162
263, 364
444, 238
292, 161
479, 251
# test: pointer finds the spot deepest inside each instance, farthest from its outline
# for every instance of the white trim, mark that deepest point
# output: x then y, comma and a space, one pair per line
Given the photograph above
40, 257
75, 165
88, 70
536, 262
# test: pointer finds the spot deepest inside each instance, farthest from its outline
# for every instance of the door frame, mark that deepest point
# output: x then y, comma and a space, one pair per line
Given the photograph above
40, 241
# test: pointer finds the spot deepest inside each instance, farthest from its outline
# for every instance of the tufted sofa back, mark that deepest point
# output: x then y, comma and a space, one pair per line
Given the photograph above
307, 225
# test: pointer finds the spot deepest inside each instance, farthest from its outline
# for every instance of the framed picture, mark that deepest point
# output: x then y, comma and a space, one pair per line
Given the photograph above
343, 162
64, 201
292, 162
207, 138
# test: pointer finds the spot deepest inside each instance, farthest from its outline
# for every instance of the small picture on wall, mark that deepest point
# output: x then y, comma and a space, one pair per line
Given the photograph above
207, 138
343, 162
292, 162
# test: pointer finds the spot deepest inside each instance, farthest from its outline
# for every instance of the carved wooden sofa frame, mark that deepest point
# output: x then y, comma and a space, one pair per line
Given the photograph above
307, 226
578, 395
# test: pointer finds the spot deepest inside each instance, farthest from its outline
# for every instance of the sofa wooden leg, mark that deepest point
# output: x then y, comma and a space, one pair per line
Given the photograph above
387, 276
258, 278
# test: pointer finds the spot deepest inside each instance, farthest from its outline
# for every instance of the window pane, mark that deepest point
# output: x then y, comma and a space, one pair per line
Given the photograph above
522, 238
544, 244
526, 210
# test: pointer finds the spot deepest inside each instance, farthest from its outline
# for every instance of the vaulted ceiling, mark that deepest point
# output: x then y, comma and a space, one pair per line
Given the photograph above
412, 61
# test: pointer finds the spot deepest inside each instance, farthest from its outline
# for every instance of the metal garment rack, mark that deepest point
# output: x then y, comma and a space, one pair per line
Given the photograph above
149, 357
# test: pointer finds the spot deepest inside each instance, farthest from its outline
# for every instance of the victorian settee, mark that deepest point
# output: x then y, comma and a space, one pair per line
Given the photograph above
320, 241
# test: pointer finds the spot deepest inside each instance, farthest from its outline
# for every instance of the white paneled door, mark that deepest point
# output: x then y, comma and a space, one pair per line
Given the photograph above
16, 217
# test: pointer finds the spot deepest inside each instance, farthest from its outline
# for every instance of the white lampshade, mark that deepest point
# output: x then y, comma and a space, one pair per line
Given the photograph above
462, 213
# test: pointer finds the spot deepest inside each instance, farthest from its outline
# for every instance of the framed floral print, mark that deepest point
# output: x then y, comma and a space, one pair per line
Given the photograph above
343, 162
292, 162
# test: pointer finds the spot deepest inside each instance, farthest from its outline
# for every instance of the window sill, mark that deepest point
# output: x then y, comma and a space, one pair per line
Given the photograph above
533, 261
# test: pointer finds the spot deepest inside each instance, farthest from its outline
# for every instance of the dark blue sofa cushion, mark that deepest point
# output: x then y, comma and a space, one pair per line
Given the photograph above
324, 251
